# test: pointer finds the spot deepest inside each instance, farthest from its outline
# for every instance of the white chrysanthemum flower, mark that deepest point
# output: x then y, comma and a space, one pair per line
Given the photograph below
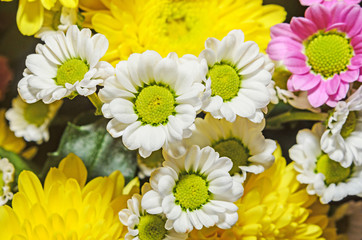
152, 100
194, 191
148, 165
237, 79
325, 177
59, 18
242, 141
6, 178
142, 225
31, 121
343, 136
65, 65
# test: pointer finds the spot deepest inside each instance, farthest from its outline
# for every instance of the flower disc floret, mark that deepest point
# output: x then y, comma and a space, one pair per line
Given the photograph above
225, 81
191, 192
234, 149
154, 104
332, 170
151, 227
328, 53
71, 71
36, 113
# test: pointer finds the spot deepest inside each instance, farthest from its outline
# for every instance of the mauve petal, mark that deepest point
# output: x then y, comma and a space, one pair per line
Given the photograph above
350, 75
332, 85
319, 15
281, 47
356, 62
356, 43
339, 26
318, 95
339, 11
342, 91
332, 102
290, 85
282, 30
310, 2
353, 20
303, 27
297, 64
305, 82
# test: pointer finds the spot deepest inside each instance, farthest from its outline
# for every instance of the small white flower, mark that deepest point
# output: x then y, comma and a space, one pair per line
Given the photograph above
237, 79
343, 136
194, 191
58, 18
31, 121
152, 100
242, 141
324, 176
142, 225
7, 177
64, 65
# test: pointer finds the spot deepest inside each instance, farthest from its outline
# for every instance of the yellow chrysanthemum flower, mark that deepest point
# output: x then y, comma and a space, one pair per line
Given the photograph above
30, 15
8, 140
66, 208
275, 206
179, 26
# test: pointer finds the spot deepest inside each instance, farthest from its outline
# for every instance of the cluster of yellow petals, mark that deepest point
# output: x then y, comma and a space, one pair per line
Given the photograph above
176, 26
276, 206
66, 208
30, 15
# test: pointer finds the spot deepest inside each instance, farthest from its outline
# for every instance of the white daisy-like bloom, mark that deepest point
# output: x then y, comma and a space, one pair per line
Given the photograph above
58, 18
31, 121
237, 79
142, 225
343, 136
6, 178
152, 100
242, 141
66, 65
324, 176
148, 165
194, 191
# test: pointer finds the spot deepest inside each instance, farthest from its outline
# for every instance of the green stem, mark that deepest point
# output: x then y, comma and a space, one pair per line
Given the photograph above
277, 121
96, 102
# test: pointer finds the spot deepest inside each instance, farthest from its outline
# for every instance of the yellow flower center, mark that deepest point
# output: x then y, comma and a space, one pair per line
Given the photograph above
350, 125
153, 161
36, 113
225, 81
328, 53
332, 170
71, 71
235, 150
191, 192
151, 227
154, 104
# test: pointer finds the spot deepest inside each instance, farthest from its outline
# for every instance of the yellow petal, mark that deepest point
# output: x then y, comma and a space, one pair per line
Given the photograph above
30, 185
69, 3
8, 222
73, 167
29, 16
132, 186
118, 181
48, 4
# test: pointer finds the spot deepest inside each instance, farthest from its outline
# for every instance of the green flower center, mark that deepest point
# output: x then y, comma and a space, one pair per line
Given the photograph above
153, 161
281, 77
328, 53
71, 71
36, 113
350, 125
225, 81
235, 150
332, 170
191, 191
151, 227
154, 104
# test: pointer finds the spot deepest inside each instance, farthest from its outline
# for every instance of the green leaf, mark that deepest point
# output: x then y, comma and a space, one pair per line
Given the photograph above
101, 153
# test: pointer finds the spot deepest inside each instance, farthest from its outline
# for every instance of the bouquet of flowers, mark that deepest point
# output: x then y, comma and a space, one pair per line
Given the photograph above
169, 119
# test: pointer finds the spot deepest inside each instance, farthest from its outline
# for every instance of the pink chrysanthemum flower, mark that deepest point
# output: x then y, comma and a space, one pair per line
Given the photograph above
327, 3
323, 51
